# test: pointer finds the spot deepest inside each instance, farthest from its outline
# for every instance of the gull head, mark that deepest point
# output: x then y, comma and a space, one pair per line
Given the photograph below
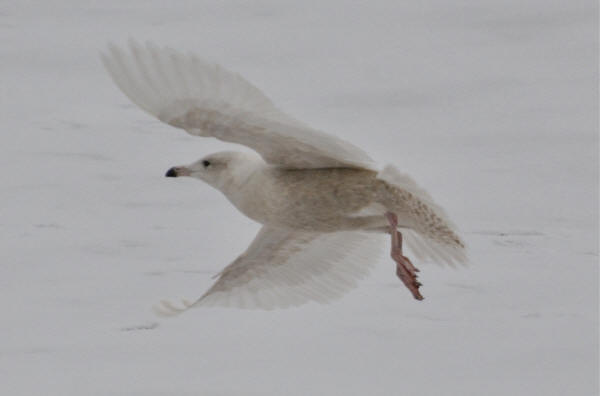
219, 170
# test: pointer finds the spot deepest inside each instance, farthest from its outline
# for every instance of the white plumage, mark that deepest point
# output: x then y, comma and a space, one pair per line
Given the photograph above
320, 199
283, 268
207, 100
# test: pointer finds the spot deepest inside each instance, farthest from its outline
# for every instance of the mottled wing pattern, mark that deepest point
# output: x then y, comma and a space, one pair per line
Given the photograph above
431, 235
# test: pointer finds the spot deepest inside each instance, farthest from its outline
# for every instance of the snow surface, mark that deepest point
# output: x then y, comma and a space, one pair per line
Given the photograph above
491, 105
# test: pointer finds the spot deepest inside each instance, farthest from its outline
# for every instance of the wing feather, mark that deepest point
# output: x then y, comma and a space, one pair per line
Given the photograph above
207, 100
284, 268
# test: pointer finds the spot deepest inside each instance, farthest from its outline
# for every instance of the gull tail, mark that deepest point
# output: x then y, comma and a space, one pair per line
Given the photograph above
430, 233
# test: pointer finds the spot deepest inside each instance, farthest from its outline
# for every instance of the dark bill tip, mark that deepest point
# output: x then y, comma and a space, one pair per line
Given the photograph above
171, 173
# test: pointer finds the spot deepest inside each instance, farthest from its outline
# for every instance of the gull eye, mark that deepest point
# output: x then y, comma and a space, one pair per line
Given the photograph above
206, 163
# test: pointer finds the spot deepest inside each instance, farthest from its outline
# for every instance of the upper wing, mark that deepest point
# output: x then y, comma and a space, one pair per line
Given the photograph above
283, 268
208, 100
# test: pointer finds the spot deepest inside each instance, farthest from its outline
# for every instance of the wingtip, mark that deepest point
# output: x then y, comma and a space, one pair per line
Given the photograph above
166, 308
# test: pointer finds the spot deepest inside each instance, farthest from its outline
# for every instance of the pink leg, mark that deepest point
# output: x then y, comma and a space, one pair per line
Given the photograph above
405, 270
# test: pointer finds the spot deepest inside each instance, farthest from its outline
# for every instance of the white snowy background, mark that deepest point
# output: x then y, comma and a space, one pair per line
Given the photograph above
491, 105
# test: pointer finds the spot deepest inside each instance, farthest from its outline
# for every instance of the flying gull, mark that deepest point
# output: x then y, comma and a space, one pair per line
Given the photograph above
323, 203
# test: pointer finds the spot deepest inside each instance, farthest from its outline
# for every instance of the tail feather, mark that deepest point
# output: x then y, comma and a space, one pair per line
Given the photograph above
431, 235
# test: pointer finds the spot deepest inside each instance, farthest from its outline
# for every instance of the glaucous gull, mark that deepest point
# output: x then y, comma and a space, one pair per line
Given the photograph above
322, 202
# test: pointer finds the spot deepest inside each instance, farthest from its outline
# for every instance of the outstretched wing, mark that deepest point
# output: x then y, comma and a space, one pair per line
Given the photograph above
283, 268
207, 100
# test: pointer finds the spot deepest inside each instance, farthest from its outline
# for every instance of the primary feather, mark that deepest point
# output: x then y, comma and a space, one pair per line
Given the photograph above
207, 100
283, 268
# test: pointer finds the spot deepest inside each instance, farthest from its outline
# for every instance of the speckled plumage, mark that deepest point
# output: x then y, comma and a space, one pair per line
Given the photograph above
322, 201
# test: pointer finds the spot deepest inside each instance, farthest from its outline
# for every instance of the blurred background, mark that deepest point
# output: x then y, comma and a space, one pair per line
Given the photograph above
492, 106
